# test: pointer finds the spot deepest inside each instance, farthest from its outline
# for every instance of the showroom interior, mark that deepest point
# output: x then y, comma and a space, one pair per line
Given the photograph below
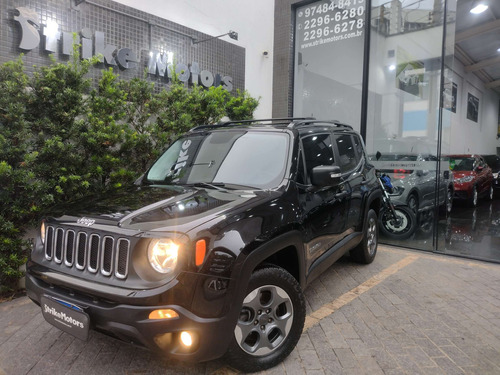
420, 79
426, 77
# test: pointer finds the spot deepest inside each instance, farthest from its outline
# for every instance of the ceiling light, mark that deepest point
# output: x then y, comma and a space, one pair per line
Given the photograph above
478, 7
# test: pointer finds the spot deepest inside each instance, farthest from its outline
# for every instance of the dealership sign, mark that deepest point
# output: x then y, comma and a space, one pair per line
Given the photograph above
159, 64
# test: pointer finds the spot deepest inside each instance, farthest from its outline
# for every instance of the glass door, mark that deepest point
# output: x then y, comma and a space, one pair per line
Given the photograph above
405, 119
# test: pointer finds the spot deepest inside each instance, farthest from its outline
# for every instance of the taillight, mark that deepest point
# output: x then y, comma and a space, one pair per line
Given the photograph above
400, 173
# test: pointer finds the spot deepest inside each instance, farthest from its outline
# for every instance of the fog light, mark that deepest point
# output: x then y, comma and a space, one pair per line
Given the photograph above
186, 339
163, 314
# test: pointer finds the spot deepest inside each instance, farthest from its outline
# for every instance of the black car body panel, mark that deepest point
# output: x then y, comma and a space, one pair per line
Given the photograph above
95, 250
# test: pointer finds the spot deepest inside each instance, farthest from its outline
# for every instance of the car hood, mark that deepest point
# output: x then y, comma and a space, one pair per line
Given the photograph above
155, 208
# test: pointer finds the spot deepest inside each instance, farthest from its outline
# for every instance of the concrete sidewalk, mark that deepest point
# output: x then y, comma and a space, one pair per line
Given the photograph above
407, 313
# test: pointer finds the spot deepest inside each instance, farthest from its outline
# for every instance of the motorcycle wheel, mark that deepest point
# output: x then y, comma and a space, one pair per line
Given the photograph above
407, 223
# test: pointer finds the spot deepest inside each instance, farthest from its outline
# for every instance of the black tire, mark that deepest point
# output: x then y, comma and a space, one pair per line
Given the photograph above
277, 296
426, 221
412, 203
491, 193
405, 229
447, 207
367, 249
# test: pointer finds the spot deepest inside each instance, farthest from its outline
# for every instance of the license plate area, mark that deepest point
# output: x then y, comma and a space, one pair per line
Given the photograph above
66, 316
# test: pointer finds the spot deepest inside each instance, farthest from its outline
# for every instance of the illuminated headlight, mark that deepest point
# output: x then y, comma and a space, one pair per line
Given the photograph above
495, 175
464, 179
42, 232
163, 254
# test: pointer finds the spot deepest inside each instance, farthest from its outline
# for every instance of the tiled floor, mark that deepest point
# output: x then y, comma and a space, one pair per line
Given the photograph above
407, 313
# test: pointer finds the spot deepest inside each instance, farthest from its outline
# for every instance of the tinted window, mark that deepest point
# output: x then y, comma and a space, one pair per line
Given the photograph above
348, 159
317, 151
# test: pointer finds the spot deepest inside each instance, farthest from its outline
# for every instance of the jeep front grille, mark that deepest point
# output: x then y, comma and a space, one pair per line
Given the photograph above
91, 251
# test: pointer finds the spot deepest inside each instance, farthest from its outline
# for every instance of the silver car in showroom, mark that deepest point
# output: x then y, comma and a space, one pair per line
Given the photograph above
413, 168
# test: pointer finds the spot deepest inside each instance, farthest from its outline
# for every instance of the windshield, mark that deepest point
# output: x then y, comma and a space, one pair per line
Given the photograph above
248, 159
461, 165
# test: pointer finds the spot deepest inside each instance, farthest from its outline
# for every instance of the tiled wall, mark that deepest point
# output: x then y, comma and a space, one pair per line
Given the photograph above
124, 28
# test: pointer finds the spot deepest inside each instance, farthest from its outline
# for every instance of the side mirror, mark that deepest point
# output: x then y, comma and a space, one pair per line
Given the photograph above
479, 168
378, 155
326, 175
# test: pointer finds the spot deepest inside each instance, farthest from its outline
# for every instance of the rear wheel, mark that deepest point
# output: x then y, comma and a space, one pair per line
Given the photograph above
270, 322
367, 249
412, 203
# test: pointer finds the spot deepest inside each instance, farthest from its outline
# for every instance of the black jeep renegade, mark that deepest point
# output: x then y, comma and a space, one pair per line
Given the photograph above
208, 253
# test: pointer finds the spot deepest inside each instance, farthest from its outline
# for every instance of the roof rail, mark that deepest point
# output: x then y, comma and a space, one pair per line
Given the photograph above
295, 125
241, 122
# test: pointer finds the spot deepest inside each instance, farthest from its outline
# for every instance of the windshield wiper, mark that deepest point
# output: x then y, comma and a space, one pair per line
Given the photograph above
214, 185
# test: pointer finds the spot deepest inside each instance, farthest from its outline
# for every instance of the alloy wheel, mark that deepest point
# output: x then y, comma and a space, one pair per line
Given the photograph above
371, 236
265, 320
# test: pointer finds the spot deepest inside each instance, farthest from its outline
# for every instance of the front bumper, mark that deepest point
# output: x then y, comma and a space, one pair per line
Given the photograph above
463, 191
130, 323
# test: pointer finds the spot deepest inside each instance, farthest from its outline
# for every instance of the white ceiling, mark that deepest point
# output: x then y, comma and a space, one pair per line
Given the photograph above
477, 40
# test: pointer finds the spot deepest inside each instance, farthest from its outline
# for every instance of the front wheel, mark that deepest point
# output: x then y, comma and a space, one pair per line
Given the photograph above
401, 227
270, 322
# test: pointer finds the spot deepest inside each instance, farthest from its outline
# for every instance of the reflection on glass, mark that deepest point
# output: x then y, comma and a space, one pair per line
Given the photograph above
403, 107
224, 158
328, 62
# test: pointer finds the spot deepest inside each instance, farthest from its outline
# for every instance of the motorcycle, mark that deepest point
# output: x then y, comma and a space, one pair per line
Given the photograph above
398, 222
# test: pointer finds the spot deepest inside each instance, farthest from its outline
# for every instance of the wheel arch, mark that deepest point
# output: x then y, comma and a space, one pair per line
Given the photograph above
285, 251
416, 192
374, 202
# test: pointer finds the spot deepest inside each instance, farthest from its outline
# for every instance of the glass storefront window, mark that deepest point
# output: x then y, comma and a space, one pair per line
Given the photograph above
328, 61
404, 118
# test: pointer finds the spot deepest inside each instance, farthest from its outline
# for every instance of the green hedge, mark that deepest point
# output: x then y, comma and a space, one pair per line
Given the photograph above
61, 137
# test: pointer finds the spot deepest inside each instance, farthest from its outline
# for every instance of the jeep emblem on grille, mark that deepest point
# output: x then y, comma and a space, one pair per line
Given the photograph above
85, 221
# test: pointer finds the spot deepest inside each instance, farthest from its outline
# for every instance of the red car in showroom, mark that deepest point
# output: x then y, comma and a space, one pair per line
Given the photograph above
472, 178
